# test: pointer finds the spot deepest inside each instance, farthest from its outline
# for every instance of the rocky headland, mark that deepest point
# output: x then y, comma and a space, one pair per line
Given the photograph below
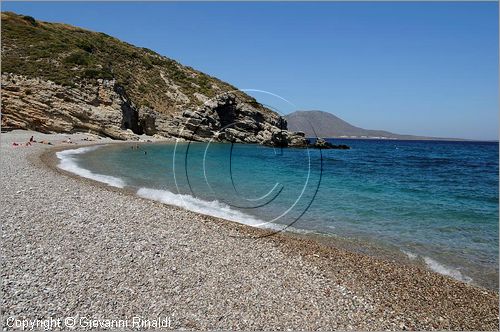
58, 78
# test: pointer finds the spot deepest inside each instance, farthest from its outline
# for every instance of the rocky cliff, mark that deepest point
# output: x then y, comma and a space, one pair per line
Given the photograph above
59, 78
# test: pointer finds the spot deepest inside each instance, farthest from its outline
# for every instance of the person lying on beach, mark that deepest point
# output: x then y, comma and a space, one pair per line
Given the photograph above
14, 144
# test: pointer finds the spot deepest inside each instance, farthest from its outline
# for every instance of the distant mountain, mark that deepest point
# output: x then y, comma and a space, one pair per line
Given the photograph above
327, 125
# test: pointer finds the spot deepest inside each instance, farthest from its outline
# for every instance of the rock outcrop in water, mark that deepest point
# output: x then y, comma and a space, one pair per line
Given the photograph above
58, 78
320, 143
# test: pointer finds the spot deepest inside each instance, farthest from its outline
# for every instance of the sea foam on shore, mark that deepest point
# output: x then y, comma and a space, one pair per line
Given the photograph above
68, 163
447, 271
213, 208
436, 266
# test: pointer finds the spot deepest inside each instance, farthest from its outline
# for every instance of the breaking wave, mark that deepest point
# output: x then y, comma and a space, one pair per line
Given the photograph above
68, 163
438, 267
211, 208
445, 270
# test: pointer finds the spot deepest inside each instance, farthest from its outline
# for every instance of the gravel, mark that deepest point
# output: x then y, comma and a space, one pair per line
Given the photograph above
74, 248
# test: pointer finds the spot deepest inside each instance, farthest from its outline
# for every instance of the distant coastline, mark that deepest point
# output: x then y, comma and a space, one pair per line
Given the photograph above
327, 125
409, 140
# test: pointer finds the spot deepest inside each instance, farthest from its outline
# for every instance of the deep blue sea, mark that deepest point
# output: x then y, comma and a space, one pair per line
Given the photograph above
436, 202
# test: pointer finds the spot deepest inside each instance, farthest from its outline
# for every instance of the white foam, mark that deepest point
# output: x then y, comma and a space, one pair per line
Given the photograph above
213, 208
68, 163
447, 271
438, 267
410, 255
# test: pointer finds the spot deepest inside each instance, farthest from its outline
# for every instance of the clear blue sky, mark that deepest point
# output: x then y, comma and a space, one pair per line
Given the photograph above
413, 68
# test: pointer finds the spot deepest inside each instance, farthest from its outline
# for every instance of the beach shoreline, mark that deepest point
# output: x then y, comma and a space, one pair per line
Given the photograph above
362, 292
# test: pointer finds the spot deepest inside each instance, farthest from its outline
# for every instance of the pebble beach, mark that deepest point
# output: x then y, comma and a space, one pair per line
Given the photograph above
73, 247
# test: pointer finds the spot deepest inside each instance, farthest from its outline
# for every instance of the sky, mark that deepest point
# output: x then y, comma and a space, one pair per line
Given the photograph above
417, 68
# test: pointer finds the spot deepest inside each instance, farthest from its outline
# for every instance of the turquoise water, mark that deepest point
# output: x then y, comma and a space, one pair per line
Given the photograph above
435, 201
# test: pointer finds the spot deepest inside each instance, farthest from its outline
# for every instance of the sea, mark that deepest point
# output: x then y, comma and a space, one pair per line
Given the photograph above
433, 202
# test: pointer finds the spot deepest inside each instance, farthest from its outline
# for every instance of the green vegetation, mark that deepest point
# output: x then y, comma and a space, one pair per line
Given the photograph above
30, 19
68, 55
